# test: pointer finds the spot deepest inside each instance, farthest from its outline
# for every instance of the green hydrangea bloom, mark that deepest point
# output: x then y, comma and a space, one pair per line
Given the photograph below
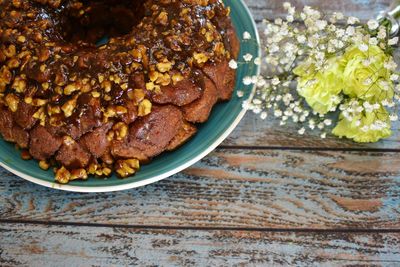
364, 74
320, 88
359, 128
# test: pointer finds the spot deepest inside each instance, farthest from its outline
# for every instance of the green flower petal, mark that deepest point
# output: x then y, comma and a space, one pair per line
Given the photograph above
352, 130
320, 88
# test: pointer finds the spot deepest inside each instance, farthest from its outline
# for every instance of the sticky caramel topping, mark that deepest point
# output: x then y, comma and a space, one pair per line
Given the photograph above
41, 61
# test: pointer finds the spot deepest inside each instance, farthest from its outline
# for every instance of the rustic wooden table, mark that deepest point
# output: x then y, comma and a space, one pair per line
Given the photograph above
264, 197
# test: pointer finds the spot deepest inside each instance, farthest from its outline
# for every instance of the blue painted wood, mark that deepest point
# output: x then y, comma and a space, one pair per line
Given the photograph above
235, 188
40, 245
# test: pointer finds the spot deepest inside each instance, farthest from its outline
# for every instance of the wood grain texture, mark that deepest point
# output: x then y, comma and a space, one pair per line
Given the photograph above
235, 188
40, 245
255, 132
363, 9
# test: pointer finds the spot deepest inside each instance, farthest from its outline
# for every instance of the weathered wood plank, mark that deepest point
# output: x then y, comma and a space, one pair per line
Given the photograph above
41, 245
235, 188
363, 9
255, 132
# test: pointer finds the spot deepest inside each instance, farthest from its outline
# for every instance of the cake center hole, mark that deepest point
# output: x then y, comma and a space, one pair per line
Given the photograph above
102, 20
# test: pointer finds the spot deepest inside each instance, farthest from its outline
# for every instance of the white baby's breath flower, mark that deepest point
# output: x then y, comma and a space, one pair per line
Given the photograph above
247, 80
301, 39
331, 27
394, 77
278, 113
246, 36
256, 110
393, 41
289, 18
287, 5
363, 47
352, 20
382, 34
393, 117
321, 24
275, 81
233, 64
292, 10
323, 135
248, 57
340, 33
278, 21
328, 122
350, 31
384, 85
240, 94
302, 131
257, 101
372, 24
390, 65
373, 41
263, 115
339, 15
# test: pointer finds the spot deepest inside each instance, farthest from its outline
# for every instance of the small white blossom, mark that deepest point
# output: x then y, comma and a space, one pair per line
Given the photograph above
278, 21
278, 113
257, 101
246, 36
328, 122
382, 34
263, 115
233, 64
352, 20
321, 24
339, 15
394, 77
323, 135
393, 117
390, 65
248, 57
373, 41
247, 80
350, 31
372, 24
302, 131
275, 81
287, 5
240, 94
340, 33
301, 39
393, 41
257, 61
363, 47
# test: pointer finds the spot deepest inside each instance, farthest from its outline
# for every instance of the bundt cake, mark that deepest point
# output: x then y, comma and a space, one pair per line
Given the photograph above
92, 87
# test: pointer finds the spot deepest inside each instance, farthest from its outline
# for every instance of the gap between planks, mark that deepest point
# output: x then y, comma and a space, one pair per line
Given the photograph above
199, 228
344, 149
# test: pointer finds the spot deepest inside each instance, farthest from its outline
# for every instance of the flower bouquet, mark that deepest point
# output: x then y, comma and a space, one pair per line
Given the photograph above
329, 73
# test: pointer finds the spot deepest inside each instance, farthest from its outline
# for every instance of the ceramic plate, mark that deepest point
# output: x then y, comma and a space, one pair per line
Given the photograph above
224, 118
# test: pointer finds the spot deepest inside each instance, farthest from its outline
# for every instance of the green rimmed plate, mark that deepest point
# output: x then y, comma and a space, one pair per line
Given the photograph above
224, 118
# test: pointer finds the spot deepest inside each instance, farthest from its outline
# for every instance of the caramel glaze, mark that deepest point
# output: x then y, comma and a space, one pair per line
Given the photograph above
52, 70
